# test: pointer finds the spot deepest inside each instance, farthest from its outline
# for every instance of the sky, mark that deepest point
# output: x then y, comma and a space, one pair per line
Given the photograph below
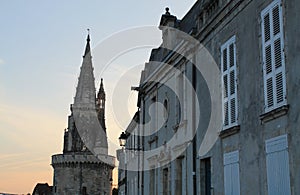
41, 48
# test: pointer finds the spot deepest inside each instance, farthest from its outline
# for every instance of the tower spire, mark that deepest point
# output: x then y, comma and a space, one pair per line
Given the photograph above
86, 111
85, 91
87, 47
101, 86
101, 105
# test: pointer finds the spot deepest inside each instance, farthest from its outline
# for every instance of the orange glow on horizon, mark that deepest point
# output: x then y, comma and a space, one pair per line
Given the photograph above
27, 144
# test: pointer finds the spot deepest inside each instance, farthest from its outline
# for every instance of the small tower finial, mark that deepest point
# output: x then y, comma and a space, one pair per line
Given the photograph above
88, 37
87, 47
101, 85
167, 11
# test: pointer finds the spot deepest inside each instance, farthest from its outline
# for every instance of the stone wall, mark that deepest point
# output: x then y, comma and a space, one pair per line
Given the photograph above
74, 174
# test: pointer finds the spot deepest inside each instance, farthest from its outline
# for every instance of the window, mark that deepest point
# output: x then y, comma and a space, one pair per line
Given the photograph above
205, 176
101, 103
132, 187
136, 185
153, 114
152, 181
180, 96
278, 165
229, 84
178, 176
84, 191
166, 188
273, 57
231, 173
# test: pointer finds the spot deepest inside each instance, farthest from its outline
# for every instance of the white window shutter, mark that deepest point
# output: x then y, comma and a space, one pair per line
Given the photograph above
227, 180
231, 173
235, 179
229, 83
273, 56
277, 162
225, 87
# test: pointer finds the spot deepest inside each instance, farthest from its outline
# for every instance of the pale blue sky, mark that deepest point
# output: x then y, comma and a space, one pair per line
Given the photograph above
41, 47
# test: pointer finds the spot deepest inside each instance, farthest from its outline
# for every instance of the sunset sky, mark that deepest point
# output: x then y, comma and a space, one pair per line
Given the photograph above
41, 48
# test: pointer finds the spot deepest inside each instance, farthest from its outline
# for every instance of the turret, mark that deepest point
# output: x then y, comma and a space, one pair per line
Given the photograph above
100, 105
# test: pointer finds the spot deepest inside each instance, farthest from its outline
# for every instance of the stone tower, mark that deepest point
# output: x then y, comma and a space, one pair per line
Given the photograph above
85, 166
100, 105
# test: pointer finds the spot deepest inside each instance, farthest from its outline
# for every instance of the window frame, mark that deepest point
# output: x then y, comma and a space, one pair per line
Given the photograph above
275, 71
229, 97
205, 176
180, 93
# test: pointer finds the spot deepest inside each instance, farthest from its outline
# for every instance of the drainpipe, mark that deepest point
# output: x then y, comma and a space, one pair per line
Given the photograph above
194, 83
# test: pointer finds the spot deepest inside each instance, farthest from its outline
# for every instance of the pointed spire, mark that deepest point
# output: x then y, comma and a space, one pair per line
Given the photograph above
101, 92
87, 47
86, 109
101, 105
85, 92
101, 86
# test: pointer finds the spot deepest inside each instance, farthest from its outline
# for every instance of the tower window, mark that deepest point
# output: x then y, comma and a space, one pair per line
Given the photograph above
101, 103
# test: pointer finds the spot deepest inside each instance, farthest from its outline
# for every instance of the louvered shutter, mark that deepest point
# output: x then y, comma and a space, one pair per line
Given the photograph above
277, 162
273, 56
231, 173
227, 179
229, 83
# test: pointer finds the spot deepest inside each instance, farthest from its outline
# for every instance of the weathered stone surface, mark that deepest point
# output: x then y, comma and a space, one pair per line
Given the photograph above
85, 166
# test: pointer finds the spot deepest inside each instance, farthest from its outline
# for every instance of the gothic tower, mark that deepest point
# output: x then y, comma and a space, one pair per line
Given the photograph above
85, 166
101, 105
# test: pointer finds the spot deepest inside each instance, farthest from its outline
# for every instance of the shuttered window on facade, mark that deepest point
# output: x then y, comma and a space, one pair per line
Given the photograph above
273, 56
229, 84
180, 89
231, 173
277, 162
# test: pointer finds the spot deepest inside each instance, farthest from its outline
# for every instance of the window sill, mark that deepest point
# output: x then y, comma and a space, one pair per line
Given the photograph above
230, 131
273, 114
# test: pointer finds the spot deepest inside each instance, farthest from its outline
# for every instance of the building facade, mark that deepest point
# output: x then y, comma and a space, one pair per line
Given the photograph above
241, 136
130, 170
84, 167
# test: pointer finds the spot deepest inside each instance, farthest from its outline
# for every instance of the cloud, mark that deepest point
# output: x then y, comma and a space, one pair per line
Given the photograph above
1, 61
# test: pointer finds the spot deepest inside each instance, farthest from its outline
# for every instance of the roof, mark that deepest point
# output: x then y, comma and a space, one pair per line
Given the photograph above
42, 189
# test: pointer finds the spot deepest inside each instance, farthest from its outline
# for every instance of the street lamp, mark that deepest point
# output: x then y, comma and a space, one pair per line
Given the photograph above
123, 139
